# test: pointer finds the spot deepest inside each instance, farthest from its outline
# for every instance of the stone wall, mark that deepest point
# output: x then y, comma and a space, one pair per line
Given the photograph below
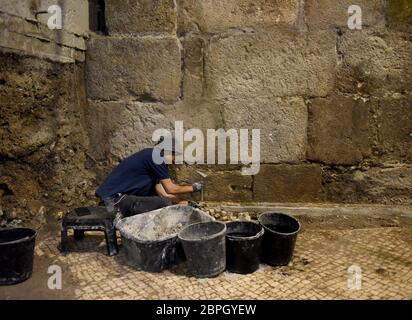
44, 167
23, 29
333, 104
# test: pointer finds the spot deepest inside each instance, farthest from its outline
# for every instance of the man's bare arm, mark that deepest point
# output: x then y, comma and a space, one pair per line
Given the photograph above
162, 193
172, 188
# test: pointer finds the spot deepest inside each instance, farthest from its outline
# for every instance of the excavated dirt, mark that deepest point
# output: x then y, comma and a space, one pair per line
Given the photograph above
44, 168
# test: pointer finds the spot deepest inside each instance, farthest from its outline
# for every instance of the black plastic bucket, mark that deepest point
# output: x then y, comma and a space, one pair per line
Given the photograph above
205, 249
243, 246
281, 231
150, 239
16, 255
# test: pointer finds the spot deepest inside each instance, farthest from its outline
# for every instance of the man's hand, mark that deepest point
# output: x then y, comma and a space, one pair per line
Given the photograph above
197, 186
162, 193
172, 188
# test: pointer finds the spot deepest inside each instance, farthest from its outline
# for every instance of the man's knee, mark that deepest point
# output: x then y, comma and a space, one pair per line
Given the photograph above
163, 202
131, 205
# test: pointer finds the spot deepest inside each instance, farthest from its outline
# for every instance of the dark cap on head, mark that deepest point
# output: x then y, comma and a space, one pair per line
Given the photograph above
169, 144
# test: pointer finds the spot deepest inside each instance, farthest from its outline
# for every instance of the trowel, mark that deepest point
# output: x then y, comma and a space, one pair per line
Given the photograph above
203, 175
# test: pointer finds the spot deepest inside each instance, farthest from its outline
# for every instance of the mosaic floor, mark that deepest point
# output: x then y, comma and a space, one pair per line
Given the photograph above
373, 263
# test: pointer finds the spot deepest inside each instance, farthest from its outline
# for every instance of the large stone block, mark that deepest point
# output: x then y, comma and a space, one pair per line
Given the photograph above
217, 15
282, 63
128, 17
75, 14
329, 14
221, 182
288, 183
16, 43
144, 69
201, 115
338, 130
23, 9
118, 129
40, 32
282, 123
19, 35
394, 127
126, 127
390, 184
228, 186
193, 78
374, 63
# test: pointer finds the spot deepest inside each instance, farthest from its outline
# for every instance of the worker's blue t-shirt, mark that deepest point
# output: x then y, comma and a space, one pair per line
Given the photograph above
135, 175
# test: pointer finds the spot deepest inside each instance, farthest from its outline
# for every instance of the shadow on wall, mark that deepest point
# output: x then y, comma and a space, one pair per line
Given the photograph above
97, 20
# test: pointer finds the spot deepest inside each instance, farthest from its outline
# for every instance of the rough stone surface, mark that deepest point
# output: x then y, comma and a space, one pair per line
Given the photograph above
75, 14
375, 63
339, 130
38, 40
389, 184
43, 142
14, 43
193, 78
24, 9
249, 65
282, 123
144, 69
228, 186
399, 13
215, 15
202, 115
130, 17
124, 127
288, 183
221, 182
393, 122
127, 127
324, 14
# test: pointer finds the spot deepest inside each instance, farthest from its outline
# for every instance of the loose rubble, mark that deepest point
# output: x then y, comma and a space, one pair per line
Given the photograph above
223, 215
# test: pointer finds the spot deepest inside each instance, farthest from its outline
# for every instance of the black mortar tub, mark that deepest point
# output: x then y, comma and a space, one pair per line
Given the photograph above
16, 255
281, 231
150, 239
243, 246
205, 248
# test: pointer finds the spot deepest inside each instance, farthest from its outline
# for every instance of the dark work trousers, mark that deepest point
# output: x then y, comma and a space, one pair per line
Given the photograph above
132, 205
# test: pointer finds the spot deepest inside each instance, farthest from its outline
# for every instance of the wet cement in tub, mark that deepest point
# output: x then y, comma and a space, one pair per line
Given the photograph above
150, 239
162, 223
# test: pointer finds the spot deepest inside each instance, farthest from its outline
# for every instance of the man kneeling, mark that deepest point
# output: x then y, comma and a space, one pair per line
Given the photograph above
138, 184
